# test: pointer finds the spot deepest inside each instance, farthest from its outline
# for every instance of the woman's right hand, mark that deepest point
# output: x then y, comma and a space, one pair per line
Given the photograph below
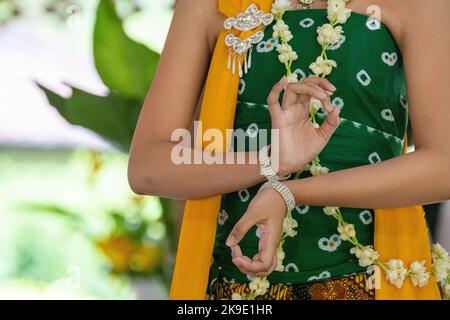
299, 140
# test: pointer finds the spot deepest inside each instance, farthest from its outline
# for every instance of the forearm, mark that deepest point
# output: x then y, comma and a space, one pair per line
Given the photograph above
420, 177
152, 172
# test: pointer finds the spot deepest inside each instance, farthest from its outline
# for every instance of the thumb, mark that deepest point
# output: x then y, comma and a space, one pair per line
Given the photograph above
330, 124
240, 229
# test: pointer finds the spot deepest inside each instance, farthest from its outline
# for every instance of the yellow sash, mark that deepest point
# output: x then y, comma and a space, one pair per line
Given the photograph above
399, 233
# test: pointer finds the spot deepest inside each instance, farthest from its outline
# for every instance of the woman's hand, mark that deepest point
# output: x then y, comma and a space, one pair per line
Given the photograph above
267, 211
299, 141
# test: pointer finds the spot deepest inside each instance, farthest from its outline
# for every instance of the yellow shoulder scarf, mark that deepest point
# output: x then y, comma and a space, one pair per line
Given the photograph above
399, 233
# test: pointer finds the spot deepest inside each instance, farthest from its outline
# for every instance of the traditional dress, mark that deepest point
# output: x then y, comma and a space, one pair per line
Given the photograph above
371, 95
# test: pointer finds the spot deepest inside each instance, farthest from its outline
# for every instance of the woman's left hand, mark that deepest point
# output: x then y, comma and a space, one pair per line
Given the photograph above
267, 211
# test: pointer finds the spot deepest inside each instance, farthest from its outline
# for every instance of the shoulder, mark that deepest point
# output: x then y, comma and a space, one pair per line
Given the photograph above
413, 18
385, 10
404, 17
205, 13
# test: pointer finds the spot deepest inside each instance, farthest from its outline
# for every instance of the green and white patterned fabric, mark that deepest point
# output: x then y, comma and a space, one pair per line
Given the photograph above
372, 97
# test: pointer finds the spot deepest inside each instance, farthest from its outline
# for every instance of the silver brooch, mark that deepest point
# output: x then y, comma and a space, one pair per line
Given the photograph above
250, 19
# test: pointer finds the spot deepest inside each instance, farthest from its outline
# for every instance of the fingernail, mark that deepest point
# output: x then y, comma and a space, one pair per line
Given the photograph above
229, 241
338, 119
332, 86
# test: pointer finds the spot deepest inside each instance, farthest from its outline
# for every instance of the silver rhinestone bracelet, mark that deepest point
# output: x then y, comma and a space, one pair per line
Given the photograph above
284, 191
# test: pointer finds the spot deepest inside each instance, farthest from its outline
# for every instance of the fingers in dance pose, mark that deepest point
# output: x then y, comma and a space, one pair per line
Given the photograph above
300, 142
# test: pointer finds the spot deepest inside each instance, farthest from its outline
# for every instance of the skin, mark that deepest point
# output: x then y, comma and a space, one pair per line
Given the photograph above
420, 177
168, 108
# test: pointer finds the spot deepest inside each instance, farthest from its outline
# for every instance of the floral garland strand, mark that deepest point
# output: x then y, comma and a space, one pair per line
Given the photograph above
328, 35
337, 14
441, 269
395, 270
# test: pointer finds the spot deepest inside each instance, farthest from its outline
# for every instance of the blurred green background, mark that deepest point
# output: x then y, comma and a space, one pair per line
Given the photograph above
74, 75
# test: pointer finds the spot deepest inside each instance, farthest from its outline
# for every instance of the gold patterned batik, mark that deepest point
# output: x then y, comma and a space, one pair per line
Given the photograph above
347, 288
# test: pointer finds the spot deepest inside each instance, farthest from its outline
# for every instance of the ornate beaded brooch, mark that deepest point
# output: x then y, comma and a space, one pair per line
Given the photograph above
241, 49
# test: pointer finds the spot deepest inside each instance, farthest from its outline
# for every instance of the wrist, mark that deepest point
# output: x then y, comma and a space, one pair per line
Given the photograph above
270, 168
281, 171
293, 186
277, 203
284, 191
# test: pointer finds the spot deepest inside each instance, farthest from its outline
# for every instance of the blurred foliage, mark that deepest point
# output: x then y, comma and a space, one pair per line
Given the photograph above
8, 10
132, 246
62, 9
136, 242
50, 220
125, 66
113, 117
127, 69
140, 240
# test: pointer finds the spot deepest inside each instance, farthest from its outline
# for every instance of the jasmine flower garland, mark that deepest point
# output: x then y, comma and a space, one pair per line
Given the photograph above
396, 273
441, 269
328, 35
395, 270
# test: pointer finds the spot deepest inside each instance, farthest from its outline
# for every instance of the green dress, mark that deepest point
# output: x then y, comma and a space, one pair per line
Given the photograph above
372, 97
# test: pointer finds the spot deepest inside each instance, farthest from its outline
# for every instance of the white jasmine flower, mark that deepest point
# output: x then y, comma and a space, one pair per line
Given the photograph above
287, 57
289, 225
446, 291
396, 272
287, 36
322, 66
331, 211
315, 105
279, 7
293, 55
280, 27
259, 286
418, 274
337, 11
286, 4
441, 269
318, 170
236, 296
366, 255
283, 48
280, 258
441, 262
438, 252
328, 35
286, 53
292, 78
283, 57
281, 30
347, 232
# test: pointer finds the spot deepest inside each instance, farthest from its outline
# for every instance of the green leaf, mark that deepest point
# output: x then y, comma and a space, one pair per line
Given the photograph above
52, 209
124, 65
71, 218
112, 117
